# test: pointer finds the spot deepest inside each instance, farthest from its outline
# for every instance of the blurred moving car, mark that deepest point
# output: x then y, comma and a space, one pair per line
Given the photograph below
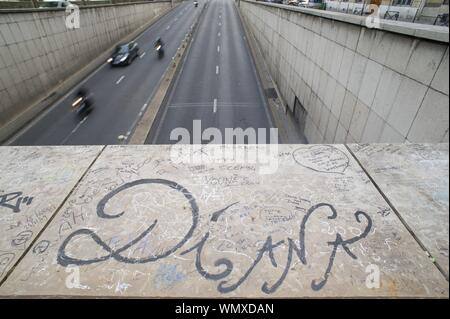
54, 4
293, 3
124, 54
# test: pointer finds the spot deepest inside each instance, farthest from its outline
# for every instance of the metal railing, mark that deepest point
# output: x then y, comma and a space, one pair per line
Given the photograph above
391, 15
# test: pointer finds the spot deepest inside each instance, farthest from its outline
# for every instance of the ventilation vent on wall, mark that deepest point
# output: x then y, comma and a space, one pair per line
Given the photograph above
271, 93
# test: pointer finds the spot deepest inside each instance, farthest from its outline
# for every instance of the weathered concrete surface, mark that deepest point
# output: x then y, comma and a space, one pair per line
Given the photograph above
414, 178
143, 223
387, 84
34, 181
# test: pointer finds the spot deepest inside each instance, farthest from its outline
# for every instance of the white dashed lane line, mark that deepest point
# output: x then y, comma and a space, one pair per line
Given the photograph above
217, 69
74, 130
142, 55
215, 106
120, 79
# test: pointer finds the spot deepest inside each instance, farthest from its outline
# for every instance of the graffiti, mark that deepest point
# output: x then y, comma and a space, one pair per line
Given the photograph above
384, 212
22, 238
5, 260
296, 251
41, 247
14, 200
322, 159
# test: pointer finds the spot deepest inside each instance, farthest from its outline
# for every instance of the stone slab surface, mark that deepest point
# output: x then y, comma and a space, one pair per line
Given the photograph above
147, 222
34, 181
415, 179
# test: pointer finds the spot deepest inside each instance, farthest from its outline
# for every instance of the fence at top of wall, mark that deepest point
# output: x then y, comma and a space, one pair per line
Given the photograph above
353, 83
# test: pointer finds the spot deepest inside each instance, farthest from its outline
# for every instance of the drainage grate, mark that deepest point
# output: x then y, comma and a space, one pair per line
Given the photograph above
271, 93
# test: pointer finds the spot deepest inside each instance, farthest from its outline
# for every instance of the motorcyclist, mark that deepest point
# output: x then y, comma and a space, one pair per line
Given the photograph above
83, 97
159, 42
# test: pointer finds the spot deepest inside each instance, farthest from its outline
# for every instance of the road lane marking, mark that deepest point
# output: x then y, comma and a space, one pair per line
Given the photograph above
74, 130
218, 48
219, 34
120, 79
217, 69
168, 27
215, 106
142, 55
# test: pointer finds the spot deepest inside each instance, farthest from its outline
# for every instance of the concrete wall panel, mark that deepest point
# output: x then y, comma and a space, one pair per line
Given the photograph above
383, 84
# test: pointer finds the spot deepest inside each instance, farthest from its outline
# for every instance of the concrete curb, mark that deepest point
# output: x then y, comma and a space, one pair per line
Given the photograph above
44, 102
144, 126
287, 129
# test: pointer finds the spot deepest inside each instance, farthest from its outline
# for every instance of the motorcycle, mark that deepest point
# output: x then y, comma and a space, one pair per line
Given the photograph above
195, 4
82, 105
159, 50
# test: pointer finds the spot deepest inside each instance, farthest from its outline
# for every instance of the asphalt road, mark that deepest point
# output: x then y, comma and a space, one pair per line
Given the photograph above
218, 83
120, 94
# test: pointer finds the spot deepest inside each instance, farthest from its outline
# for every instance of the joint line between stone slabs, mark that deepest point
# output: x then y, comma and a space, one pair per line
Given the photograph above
51, 218
397, 213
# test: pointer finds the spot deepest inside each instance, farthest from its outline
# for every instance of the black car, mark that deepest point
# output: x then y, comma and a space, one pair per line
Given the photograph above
124, 54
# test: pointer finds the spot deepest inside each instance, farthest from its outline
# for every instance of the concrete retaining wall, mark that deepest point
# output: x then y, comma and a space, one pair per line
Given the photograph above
384, 84
38, 52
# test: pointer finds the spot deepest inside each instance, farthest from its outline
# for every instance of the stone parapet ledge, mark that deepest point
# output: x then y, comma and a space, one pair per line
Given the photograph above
286, 221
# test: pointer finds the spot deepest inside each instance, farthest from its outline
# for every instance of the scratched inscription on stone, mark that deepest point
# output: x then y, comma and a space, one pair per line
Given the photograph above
415, 179
33, 183
322, 158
